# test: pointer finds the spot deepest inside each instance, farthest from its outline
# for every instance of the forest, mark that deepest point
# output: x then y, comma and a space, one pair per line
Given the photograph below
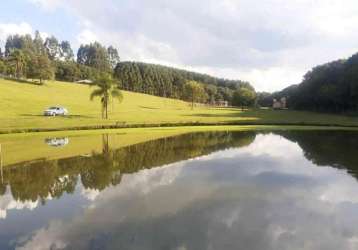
331, 87
26, 57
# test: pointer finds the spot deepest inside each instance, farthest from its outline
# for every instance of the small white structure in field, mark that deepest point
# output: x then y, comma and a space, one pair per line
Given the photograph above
85, 81
281, 104
222, 103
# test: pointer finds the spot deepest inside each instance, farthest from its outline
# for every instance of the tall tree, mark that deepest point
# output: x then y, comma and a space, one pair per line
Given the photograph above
113, 56
39, 44
41, 68
12, 43
106, 91
53, 48
94, 55
18, 60
66, 51
194, 92
2, 67
244, 97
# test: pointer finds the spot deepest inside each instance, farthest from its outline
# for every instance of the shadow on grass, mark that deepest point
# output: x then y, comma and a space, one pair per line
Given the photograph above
24, 81
203, 115
241, 116
145, 107
66, 116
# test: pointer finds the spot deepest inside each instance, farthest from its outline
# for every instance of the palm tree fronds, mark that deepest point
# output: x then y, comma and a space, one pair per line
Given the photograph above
117, 94
96, 93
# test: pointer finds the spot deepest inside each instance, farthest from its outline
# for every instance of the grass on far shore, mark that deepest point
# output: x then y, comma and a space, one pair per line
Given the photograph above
21, 107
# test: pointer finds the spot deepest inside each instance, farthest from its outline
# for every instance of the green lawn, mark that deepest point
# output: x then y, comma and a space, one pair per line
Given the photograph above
22, 104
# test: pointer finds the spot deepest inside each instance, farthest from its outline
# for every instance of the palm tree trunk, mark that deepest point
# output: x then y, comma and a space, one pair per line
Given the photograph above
106, 107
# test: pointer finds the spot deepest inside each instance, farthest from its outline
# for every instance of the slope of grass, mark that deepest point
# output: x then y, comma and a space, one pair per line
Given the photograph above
21, 107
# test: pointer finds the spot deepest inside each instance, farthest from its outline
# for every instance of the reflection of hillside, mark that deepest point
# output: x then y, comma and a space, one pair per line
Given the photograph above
328, 148
31, 181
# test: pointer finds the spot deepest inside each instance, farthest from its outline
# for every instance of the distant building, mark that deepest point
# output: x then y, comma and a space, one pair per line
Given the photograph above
281, 104
85, 81
222, 103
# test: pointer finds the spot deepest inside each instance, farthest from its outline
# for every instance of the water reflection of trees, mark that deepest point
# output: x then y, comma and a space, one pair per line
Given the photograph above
328, 148
39, 180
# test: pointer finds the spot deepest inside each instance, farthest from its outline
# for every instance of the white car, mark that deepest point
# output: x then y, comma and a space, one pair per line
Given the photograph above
54, 111
57, 142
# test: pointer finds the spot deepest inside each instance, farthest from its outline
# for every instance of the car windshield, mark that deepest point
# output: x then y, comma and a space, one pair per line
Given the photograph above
54, 108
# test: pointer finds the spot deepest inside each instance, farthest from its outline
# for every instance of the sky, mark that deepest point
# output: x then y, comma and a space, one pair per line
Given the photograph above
270, 43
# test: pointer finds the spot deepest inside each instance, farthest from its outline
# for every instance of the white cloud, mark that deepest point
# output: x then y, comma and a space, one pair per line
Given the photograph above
7, 203
217, 201
86, 37
7, 29
271, 43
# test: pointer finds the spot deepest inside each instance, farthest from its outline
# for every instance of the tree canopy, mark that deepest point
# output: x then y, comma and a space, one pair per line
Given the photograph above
331, 87
32, 57
244, 97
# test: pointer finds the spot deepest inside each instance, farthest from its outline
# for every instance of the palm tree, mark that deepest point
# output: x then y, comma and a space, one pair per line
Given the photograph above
107, 91
19, 60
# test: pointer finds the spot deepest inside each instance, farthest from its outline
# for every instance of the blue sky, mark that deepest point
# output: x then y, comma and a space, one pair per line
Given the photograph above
271, 43
57, 22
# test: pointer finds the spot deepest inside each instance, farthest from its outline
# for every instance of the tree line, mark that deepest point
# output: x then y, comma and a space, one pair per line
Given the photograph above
331, 87
27, 57
177, 83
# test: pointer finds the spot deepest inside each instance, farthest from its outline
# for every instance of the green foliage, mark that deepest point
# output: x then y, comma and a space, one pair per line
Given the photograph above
58, 51
244, 97
194, 92
94, 55
331, 87
94, 59
38, 43
40, 68
264, 99
66, 51
17, 60
53, 48
106, 91
113, 56
2, 67
169, 82
71, 71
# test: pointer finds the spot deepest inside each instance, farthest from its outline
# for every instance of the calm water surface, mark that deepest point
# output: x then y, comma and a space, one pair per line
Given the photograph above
222, 190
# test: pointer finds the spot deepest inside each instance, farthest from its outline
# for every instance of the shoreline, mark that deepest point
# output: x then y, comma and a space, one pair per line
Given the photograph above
190, 126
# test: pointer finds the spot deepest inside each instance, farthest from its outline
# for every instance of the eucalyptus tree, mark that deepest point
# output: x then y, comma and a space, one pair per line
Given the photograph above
194, 92
18, 60
106, 90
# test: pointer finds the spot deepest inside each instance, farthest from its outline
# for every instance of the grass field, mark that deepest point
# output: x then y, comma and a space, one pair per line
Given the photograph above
21, 107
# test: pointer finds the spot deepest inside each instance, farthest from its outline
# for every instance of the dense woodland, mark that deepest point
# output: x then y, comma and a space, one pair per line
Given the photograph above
170, 82
331, 87
27, 57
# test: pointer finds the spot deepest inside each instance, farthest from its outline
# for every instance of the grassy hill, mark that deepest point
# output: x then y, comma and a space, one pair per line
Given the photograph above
22, 104
21, 107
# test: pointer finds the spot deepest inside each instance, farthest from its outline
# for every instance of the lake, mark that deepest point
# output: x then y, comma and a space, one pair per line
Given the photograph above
214, 190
